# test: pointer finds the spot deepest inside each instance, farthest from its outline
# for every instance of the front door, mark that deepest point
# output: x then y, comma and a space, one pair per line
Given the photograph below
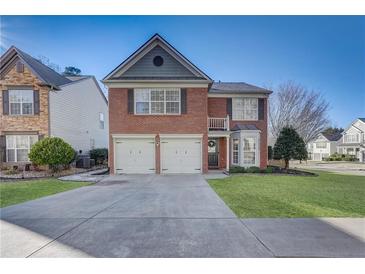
213, 153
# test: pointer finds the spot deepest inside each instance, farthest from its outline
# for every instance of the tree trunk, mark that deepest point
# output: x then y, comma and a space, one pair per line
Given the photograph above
286, 164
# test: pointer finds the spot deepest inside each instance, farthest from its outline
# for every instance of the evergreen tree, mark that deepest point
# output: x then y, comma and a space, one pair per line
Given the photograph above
289, 145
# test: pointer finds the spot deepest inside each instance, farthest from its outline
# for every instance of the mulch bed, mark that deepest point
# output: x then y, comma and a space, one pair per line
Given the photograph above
33, 174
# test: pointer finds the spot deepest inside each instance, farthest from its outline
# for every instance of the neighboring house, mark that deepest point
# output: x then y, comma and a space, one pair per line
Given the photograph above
36, 101
353, 140
324, 146
167, 116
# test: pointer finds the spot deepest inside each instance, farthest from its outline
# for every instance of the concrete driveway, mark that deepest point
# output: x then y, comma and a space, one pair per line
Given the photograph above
163, 216
129, 216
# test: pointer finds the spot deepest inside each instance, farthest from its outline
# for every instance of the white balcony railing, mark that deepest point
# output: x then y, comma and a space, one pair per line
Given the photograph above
218, 123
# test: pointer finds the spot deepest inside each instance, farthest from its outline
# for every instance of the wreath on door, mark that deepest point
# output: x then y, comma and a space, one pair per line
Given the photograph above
211, 143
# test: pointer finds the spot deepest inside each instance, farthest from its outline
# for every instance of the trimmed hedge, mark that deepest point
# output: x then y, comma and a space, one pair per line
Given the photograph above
341, 157
52, 151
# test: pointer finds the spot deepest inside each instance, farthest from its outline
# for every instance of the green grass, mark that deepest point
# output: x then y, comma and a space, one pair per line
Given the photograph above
326, 195
17, 192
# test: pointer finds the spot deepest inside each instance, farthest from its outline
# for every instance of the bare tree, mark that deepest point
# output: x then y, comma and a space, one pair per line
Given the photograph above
45, 60
296, 106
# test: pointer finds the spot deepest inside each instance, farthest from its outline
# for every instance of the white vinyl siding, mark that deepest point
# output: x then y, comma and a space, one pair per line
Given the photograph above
77, 120
157, 101
21, 102
244, 109
18, 147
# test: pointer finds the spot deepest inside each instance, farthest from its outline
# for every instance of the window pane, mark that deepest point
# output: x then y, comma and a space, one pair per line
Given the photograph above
15, 96
15, 108
172, 95
33, 139
172, 107
142, 95
157, 107
22, 155
10, 141
142, 107
27, 108
22, 141
10, 155
157, 95
249, 151
27, 96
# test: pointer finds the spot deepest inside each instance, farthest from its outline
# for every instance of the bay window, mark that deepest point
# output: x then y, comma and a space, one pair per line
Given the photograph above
157, 101
245, 108
321, 145
249, 150
18, 147
21, 102
235, 151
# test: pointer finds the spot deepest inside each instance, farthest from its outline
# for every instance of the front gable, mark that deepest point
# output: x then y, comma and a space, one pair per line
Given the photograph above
156, 60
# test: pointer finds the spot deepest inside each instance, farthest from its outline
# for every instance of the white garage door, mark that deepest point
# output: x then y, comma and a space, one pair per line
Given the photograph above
181, 155
135, 156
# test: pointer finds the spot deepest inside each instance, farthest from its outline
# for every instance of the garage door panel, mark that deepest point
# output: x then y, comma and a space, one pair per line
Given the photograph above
181, 156
135, 156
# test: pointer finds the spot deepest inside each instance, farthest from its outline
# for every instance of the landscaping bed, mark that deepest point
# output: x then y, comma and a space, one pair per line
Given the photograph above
10, 175
270, 170
325, 195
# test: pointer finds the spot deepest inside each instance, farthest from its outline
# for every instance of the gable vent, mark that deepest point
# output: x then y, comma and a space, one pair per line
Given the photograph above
19, 67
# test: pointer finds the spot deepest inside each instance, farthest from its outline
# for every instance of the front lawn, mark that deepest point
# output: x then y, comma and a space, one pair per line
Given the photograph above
327, 195
18, 192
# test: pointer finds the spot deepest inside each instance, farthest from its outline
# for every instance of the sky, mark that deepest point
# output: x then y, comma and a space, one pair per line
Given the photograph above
322, 53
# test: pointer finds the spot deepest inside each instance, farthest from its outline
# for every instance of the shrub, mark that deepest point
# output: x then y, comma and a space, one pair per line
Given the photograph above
269, 169
237, 169
52, 151
269, 152
253, 169
99, 155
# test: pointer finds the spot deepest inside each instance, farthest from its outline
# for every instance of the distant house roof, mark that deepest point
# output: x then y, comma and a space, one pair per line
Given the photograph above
236, 87
244, 127
332, 137
47, 75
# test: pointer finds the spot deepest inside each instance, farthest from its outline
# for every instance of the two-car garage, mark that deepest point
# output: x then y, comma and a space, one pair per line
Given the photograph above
142, 154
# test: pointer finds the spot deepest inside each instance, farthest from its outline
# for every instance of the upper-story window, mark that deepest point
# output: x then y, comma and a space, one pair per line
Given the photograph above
351, 138
101, 120
245, 109
21, 102
157, 101
321, 145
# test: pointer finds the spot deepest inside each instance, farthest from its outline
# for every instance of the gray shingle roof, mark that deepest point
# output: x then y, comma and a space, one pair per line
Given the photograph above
236, 87
45, 73
332, 137
244, 127
362, 119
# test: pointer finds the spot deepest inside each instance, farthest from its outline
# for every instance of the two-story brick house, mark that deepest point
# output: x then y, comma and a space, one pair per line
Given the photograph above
168, 116
36, 101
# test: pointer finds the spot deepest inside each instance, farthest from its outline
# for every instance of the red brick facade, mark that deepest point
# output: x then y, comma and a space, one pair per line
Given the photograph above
199, 108
217, 107
193, 122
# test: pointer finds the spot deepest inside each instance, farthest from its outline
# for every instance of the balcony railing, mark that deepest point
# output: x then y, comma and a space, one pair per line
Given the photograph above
218, 123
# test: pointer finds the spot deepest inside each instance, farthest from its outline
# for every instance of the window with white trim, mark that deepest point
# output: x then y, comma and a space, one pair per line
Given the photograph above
249, 151
351, 138
101, 120
21, 102
321, 145
235, 151
18, 147
245, 109
157, 101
